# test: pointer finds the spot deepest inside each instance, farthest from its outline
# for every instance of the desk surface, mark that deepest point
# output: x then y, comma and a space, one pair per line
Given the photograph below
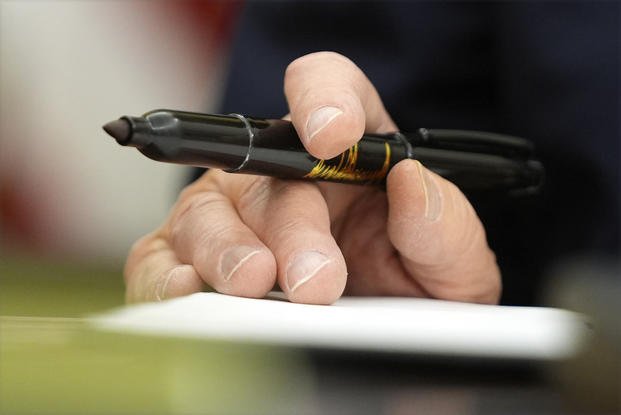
51, 363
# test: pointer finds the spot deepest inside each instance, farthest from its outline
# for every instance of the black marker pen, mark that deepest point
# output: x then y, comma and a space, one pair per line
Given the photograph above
471, 159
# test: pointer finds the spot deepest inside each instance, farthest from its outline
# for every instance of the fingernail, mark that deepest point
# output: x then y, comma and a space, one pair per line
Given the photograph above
234, 258
161, 288
433, 199
320, 119
304, 267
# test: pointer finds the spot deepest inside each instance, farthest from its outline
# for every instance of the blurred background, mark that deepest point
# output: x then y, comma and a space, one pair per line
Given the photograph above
66, 190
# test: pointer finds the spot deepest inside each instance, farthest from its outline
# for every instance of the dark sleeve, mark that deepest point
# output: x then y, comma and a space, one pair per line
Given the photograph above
545, 71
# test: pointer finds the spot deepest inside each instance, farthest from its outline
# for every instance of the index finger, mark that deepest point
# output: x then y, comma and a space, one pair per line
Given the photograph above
332, 103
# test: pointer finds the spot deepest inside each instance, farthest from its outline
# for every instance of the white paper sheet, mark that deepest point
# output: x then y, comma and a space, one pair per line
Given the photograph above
385, 324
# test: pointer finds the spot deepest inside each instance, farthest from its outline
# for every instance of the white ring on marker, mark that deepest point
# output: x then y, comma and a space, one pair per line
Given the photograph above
250, 142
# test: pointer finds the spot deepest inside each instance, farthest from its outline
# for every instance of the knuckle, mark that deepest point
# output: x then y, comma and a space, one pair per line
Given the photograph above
280, 205
207, 182
255, 193
187, 192
138, 247
139, 253
187, 211
287, 232
292, 198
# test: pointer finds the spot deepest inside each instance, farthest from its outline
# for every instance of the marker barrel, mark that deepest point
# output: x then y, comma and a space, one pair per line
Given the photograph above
239, 144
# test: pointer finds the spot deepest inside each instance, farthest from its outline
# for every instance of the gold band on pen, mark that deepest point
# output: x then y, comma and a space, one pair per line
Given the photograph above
346, 169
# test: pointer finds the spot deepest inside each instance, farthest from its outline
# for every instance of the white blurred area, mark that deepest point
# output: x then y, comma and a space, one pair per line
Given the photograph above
66, 68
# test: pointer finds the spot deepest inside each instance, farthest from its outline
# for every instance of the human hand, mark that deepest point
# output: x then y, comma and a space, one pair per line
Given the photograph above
243, 234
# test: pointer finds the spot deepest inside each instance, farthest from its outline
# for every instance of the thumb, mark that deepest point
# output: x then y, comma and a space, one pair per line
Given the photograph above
440, 239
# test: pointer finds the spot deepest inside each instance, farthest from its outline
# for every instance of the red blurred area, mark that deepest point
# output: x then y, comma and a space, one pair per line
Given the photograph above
212, 21
22, 221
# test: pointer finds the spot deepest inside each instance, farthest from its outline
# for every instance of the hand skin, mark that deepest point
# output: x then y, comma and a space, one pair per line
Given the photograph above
242, 234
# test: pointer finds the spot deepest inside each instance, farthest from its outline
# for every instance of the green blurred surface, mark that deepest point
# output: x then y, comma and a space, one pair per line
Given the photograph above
35, 287
53, 362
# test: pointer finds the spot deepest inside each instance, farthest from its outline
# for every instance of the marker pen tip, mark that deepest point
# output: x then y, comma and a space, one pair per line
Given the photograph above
119, 129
